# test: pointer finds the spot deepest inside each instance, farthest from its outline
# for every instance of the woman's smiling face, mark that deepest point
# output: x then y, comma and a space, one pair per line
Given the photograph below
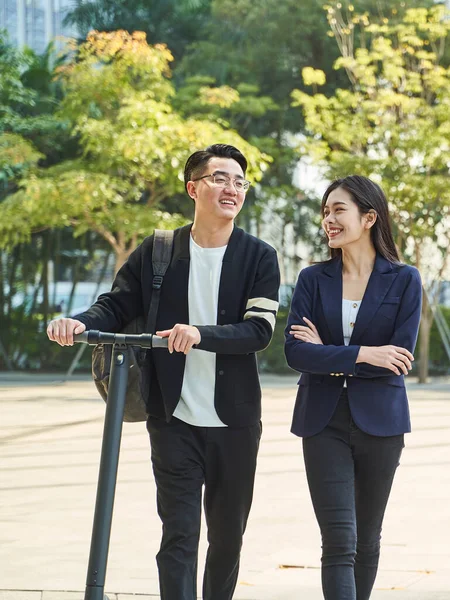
342, 220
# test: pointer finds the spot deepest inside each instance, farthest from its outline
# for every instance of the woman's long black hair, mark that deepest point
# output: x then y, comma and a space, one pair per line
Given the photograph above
368, 196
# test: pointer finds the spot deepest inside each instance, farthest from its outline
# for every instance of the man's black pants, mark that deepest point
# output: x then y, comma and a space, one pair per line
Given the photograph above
185, 458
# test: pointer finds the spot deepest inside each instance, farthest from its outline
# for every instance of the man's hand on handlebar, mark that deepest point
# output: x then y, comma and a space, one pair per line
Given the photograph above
181, 338
63, 330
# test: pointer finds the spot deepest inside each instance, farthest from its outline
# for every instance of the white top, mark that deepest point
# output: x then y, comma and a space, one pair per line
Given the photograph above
350, 310
196, 405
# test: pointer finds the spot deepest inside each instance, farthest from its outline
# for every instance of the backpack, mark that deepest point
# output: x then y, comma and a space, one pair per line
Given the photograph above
138, 385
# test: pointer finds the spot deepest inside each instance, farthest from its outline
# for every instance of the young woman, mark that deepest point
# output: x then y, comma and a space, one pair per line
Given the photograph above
351, 332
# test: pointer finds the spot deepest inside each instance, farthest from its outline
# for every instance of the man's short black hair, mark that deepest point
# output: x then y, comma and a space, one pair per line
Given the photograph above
196, 163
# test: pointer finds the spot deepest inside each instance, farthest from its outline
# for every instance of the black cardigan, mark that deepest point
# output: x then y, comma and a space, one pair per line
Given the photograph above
249, 271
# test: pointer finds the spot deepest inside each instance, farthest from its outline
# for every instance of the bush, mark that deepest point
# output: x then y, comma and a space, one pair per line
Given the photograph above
439, 361
29, 349
272, 360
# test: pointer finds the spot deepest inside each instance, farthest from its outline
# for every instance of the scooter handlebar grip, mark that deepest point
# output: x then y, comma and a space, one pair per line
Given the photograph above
159, 342
82, 337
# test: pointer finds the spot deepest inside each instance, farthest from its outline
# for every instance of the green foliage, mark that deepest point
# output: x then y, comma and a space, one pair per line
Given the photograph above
118, 99
175, 22
439, 361
109, 67
272, 360
50, 135
16, 155
28, 99
27, 84
199, 96
13, 93
29, 349
392, 124
77, 167
259, 50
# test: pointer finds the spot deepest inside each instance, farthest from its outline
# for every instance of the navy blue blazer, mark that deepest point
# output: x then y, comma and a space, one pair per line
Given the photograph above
389, 314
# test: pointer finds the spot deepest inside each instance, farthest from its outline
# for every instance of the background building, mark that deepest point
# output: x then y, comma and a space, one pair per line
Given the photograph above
34, 23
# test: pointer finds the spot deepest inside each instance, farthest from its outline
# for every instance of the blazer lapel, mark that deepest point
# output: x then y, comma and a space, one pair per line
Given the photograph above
330, 287
378, 286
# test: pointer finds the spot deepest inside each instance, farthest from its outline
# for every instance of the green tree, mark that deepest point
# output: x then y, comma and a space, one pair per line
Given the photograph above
176, 23
29, 97
260, 49
392, 125
13, 93
118, 97
30, 135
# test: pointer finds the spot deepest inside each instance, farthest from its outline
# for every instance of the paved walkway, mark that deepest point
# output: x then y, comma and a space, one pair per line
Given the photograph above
50, 436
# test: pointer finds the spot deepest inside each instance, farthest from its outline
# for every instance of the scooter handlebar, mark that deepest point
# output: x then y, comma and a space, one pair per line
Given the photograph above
82, 337
144, 340
159, 342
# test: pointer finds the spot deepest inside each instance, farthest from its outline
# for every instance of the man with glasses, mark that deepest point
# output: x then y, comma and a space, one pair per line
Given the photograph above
217, 308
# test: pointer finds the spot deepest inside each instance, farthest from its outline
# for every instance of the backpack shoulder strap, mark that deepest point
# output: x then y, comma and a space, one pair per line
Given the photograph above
161, 255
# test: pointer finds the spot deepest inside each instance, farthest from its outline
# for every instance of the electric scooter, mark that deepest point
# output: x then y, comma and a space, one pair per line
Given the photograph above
109, 461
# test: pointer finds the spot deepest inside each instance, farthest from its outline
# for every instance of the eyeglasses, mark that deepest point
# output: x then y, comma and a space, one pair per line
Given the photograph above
222, 180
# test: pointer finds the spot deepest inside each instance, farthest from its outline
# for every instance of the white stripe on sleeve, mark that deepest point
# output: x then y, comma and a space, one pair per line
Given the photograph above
264, 303
268, 316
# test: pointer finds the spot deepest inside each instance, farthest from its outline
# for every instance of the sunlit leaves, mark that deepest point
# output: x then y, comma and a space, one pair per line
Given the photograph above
15, 151
107, 67
393, 123
313, 76
121, 104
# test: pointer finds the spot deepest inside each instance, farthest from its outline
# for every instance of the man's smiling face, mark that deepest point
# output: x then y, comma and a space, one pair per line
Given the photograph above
213, 201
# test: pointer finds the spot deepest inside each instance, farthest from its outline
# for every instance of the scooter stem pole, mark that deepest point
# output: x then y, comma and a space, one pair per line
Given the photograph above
109, 461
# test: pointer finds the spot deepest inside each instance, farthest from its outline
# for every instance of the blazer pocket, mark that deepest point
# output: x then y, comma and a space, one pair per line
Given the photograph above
389, 307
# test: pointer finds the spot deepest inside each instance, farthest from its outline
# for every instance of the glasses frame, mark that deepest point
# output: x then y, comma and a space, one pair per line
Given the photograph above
232, 180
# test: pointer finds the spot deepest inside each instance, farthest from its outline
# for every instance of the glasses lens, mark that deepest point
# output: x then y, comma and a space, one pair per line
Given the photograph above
221, 180
241, 185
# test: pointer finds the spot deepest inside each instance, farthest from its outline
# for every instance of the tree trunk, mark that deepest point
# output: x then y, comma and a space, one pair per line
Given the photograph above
5, 357
121, 256
76, 274
77, 358
45, 293
3, 258
424, 339
56, 253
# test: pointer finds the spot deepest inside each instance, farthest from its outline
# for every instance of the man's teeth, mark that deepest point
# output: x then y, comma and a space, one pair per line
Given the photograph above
334, 231
227, 202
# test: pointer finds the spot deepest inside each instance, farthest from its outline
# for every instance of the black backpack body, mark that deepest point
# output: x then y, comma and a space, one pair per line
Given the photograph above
138, 385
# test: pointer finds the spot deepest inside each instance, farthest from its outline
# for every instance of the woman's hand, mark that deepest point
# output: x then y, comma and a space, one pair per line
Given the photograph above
306, 334
395, 358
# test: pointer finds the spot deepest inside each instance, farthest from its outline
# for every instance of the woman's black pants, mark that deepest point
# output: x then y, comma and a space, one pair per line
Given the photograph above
185, 458
350, 475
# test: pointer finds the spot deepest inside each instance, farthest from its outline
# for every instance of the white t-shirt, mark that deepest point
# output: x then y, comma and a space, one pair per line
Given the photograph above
350, 310
196, 404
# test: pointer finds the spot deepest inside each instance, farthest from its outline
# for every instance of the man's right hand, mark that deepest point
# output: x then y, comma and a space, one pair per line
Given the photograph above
63, 330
